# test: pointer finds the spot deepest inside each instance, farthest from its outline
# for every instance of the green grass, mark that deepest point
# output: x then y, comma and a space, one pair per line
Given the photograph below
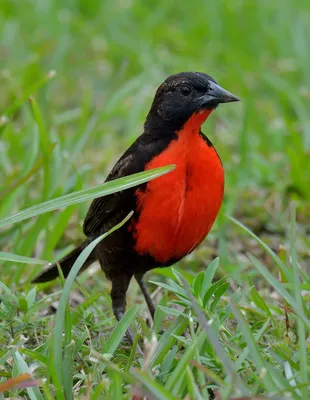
77, 78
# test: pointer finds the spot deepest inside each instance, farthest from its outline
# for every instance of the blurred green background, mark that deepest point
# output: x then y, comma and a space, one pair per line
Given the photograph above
77, 79
109, 57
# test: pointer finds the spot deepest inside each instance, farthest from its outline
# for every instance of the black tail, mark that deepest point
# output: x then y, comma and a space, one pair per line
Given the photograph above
65, 264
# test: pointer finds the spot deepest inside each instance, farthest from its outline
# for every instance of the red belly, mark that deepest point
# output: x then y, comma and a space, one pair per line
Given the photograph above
177, 210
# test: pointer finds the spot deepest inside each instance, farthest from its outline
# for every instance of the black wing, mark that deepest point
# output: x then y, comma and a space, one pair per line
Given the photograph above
105, 212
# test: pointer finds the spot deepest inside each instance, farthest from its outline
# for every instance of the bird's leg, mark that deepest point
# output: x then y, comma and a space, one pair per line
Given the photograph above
143, 287
120, 285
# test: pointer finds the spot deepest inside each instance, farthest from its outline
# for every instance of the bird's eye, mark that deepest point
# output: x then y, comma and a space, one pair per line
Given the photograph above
185, 90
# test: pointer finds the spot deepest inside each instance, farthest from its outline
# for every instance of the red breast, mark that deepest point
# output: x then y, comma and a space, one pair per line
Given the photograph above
178, 210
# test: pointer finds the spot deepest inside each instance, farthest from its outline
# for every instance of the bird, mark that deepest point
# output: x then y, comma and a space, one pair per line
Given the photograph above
173, 213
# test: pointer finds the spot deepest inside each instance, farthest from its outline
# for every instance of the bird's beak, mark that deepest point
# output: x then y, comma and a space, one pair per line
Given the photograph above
216, 94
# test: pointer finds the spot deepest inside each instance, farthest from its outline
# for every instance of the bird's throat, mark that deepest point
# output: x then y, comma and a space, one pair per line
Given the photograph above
193, 124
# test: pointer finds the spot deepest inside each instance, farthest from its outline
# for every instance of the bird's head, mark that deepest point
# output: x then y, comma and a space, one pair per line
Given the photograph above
183, 95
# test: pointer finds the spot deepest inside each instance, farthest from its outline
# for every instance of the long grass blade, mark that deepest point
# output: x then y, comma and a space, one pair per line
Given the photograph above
86, 194
59, 323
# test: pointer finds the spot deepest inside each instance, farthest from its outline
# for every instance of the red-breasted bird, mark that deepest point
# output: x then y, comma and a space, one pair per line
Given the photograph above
173, 213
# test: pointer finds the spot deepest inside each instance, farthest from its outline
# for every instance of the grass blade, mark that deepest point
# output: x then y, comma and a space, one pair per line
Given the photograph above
167, 340
36, 86
154, 388
20, 259
273, 255
120, 330
68, 370
86, 194
178, 374
9, 292
279, 288
226, 362
303, 353
22, 368
60, 316
253, 348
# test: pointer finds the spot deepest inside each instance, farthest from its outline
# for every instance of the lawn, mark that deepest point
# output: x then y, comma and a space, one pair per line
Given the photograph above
77, 78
